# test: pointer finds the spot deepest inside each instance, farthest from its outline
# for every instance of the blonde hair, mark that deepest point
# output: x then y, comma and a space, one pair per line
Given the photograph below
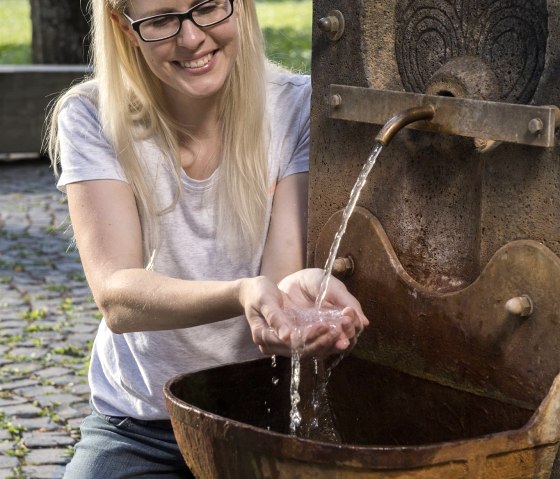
122, 73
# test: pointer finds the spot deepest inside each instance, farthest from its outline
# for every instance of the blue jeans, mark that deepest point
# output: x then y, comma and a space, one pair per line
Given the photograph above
121, 447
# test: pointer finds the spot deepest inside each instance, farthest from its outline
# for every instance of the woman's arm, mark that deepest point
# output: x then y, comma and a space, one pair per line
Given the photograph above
107, 229
285, 247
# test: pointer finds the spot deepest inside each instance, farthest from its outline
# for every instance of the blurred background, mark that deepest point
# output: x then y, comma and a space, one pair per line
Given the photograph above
55, 32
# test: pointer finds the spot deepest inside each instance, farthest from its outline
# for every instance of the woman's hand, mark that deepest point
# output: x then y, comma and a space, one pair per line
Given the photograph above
300, 292
270, 312
263, 304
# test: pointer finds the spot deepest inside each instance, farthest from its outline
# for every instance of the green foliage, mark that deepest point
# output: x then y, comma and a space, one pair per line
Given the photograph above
287, 31
71, 350
15, 33
34, 314
286, 25
57, 288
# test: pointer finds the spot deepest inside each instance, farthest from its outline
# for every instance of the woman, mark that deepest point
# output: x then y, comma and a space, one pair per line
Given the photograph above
184, 162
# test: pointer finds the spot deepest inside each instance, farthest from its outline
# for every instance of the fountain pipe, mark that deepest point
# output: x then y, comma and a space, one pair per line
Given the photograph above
403, 118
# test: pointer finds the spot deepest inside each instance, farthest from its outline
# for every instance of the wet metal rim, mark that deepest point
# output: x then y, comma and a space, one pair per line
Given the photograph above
376, 457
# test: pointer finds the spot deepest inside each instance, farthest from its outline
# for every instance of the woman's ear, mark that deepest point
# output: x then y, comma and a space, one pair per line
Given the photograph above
125, 27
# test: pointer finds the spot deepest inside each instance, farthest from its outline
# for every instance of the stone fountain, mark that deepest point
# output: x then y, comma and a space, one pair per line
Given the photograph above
453, 252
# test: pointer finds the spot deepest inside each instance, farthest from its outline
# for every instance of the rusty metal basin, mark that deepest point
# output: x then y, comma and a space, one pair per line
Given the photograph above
232, 422
445, 383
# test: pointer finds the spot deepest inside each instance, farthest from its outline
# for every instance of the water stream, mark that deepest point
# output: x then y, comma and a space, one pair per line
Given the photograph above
354, 196
319, 388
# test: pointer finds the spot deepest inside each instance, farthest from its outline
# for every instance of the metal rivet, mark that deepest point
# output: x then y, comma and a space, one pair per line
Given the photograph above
536, 126
520, 306
332, 24
328, 24
343, 267
336, 100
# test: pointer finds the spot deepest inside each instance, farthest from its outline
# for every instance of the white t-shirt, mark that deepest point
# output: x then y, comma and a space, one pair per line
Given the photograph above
128, 371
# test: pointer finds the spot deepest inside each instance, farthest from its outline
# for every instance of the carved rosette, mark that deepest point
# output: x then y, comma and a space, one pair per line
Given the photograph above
509, 36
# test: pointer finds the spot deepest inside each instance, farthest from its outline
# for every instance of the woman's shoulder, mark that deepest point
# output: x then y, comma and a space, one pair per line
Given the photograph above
82, 95
287, 91
277, 76
288, 107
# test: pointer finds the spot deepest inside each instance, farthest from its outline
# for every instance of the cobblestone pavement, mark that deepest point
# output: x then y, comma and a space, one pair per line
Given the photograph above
47, 323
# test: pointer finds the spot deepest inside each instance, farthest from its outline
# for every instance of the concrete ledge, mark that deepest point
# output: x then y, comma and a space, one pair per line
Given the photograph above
25, 94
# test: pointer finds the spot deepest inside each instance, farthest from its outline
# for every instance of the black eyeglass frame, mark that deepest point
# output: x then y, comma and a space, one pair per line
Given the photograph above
188, 15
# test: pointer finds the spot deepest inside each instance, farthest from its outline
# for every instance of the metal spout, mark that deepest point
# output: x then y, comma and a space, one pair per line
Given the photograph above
403, 118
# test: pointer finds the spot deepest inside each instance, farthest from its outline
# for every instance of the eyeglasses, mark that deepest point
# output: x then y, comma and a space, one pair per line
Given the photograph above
167, 25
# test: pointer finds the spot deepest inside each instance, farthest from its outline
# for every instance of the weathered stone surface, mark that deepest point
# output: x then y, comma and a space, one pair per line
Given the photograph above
445, 207
8, 462
37, 276
47, 456
38, 439
26, 410
5, 473
43, 423
43, 472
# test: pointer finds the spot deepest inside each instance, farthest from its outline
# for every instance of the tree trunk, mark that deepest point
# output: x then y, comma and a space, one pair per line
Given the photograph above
60, 31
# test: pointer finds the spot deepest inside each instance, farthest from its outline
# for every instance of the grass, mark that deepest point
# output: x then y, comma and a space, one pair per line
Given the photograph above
287, 30
286, 25
15, 32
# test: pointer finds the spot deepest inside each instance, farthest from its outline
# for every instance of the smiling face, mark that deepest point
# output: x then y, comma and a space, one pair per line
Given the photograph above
194, 64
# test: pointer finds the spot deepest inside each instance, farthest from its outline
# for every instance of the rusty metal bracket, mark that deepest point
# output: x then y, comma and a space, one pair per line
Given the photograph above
509, 122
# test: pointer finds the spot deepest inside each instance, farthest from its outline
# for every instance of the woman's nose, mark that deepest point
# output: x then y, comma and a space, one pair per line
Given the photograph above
190, 35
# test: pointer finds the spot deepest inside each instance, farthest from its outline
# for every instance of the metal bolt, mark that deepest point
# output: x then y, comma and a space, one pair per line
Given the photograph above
520, 306
328, 24
336, 100
332, 24
343, 267
536, 126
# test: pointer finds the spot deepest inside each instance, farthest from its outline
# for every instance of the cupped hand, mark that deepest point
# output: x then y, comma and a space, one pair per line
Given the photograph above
263, 304
273, 326
272, 313
301, 290
325, 336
